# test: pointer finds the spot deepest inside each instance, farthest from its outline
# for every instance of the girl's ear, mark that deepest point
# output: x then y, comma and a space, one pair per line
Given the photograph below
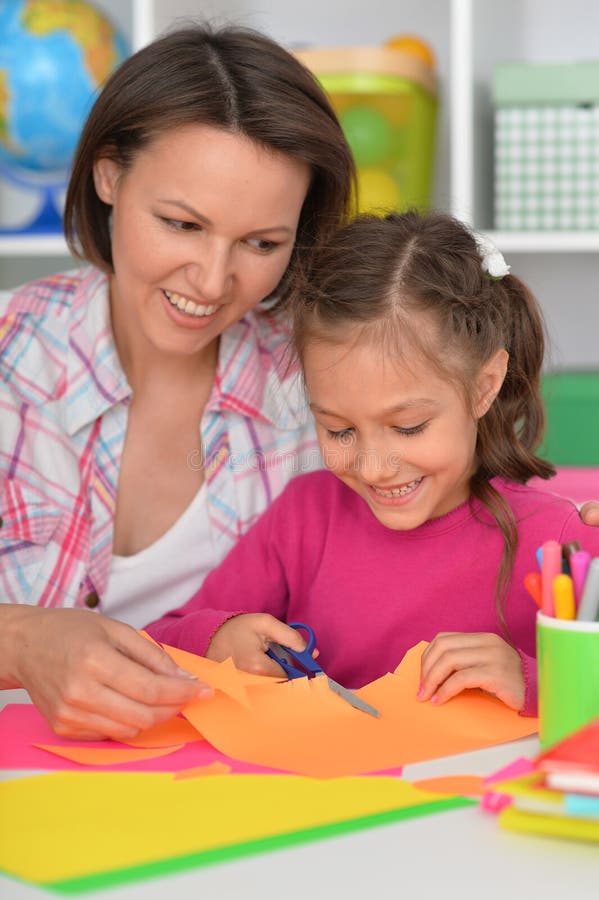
106, 176
490, 379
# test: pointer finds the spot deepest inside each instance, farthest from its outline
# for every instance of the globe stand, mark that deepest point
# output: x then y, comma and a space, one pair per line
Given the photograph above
48, 219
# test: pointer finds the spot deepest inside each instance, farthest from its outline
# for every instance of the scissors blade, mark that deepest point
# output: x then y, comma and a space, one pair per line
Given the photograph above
352, 698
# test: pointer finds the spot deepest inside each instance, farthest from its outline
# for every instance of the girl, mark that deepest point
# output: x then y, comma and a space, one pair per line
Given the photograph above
422, 358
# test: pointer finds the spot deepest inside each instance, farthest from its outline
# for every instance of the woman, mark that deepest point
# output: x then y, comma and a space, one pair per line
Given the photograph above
148, 411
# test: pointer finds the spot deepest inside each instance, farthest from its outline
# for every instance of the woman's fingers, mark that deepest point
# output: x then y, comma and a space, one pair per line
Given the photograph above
589, 513
90, 675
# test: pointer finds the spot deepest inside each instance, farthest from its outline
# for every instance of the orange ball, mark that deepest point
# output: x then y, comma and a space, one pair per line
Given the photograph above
415, 46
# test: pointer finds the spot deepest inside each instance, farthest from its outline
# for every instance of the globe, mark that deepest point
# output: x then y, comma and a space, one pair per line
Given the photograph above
54, 57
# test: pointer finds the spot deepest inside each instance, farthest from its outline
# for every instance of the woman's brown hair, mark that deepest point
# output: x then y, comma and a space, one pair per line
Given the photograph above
230, 78
383, 276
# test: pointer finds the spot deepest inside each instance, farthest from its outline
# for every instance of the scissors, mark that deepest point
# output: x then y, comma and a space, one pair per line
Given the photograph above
311, 669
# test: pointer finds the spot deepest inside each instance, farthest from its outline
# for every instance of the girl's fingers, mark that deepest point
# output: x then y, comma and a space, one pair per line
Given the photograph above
275, 631
446, 664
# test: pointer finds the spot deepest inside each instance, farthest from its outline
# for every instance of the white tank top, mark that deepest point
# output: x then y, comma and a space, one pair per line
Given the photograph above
144, 586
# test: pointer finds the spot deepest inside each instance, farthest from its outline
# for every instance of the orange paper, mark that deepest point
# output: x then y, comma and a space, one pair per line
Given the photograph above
456, 785
175, 731
99, 756
224, 677
302, 726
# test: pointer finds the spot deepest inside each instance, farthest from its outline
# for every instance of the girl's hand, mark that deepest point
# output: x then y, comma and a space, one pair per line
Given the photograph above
589, 513
91, 677
454, 661
245, 638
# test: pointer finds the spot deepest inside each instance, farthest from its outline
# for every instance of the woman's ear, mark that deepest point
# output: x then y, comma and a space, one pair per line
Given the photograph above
489, 381
106, 176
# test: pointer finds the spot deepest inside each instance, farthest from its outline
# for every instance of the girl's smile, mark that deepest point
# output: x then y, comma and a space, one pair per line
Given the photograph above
397, 494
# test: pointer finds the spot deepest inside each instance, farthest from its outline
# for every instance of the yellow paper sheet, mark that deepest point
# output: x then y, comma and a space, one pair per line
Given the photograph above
301, 726
138, 818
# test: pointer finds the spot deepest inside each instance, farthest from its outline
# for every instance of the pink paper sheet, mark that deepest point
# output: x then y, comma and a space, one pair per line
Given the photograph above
21, 725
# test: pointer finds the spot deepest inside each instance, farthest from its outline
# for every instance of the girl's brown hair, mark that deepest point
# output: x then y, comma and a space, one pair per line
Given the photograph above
230, 78
383, 275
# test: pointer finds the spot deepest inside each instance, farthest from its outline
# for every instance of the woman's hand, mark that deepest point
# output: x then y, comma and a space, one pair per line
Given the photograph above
245, 639
90, 676
589, 513
454, 661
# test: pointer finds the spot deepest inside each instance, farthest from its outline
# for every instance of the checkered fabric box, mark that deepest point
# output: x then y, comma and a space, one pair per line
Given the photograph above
547, 147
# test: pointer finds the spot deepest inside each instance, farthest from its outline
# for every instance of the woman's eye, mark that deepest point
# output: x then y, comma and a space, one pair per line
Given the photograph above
415, 429
262, 245
179, 225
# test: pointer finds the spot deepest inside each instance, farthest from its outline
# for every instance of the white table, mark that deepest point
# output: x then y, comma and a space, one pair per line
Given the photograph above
456, 855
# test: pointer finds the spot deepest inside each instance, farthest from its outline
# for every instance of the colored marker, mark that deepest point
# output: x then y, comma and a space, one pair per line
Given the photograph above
579, 566
563, 597
589, 602
564, 569
532, 583
568, 549
550, 567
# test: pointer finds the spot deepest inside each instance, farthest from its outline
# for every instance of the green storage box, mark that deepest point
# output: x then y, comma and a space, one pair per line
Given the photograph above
386, 101
546, 146
572, 402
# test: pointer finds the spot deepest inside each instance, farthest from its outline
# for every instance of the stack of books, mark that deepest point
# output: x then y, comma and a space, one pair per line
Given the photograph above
560, 797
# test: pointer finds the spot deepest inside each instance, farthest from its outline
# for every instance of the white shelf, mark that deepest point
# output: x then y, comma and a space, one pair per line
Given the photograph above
33, 245
546, 241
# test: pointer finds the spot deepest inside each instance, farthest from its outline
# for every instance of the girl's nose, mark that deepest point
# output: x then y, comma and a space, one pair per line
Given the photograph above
376, 464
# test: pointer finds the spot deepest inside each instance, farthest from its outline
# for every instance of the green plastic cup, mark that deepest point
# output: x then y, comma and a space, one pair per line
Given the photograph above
568, 664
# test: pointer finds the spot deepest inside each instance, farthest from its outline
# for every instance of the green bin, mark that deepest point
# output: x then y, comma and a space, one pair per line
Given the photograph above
572, 403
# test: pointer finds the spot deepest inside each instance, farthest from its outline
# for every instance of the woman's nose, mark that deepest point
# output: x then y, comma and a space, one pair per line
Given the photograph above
211, 275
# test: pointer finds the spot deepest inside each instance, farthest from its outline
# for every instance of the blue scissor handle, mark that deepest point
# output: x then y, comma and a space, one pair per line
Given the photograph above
303, 657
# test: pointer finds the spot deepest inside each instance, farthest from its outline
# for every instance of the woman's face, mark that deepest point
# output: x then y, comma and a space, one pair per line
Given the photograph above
203, 227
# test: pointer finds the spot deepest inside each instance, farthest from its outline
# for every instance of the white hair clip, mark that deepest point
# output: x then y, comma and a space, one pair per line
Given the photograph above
492, 259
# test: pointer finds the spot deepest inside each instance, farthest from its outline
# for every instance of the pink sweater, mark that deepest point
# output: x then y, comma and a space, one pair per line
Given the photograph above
318, 555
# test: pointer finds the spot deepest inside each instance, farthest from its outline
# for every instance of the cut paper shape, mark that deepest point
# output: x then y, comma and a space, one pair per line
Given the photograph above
457, 785
93, 756
215, 768
225, 676
148, 824
168, 734
22, 726
301, 726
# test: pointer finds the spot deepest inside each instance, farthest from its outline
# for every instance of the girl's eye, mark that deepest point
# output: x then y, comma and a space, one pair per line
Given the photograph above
262, 245
178, 225
415, 429
344, 435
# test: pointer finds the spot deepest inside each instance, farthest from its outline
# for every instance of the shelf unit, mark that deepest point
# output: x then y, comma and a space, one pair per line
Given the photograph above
469, 37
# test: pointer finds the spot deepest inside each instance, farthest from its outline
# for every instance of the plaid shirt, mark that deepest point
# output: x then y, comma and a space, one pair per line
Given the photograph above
63, 417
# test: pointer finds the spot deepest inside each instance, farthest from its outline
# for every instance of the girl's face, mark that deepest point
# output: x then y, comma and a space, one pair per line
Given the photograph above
204, 223
394, 432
